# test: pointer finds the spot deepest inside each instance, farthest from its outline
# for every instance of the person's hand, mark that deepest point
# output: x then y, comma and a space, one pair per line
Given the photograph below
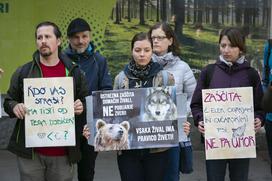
201, 128
78, 107
86, 132
257, 124
19, 110
186, 127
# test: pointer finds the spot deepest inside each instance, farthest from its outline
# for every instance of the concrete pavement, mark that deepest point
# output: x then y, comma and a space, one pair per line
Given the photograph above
106, 167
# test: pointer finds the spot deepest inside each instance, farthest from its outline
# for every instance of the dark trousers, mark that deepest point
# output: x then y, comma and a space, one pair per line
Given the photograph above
85, 167
172, 170
141, 165
238, 169
268, 133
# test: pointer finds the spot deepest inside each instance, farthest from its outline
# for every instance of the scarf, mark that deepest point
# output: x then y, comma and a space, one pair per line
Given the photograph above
165, 59
140, 72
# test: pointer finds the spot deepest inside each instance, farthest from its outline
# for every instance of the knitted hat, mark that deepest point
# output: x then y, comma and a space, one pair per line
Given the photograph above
77, 25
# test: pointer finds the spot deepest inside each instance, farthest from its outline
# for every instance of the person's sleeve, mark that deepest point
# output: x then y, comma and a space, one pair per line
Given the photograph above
189, 84
14, 94
196, 103
258, 95
105, 79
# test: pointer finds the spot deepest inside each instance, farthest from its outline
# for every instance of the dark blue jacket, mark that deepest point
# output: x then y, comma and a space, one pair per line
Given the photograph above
226, 77
94, 66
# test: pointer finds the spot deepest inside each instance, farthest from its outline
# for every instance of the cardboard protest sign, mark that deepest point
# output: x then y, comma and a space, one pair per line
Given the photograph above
133, 119
50, 119
229, 123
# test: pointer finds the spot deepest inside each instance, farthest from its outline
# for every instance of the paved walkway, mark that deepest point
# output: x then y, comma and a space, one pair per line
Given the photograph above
106, 168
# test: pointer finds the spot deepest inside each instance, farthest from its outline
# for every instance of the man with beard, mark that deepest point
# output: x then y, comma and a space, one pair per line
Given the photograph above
44, 163
82, 52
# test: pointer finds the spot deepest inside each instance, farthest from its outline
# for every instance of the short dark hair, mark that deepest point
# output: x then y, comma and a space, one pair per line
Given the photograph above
175, 47
139, 37
236, 38
56, 30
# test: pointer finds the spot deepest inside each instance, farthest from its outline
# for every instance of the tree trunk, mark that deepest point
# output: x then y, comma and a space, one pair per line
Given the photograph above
129, 13
158, 10
179, 10
222, 7
189, 2
238, 12
265, 12
215, 12
195, 10
123, 8
117, 13
141, 8
163, 10
207, 13
200, 12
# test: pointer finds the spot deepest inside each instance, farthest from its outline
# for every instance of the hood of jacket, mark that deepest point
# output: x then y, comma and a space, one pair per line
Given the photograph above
235, 67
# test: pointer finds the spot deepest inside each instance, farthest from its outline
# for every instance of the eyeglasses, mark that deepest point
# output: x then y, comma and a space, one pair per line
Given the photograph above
159, 38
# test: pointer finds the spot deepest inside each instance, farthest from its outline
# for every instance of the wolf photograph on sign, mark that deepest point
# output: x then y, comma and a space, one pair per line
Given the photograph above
159, 106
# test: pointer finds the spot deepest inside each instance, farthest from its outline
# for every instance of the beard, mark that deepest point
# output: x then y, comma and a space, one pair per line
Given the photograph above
45, 53
80, 50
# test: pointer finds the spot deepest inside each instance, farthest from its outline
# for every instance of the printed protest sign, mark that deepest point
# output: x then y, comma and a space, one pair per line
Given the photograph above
133, 119
50, 119
229, 123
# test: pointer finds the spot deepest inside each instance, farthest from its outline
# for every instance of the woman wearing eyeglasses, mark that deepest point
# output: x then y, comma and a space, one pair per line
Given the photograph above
166, 52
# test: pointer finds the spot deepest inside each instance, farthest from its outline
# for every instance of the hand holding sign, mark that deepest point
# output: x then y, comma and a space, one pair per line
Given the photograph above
186, 127
257, 124
78, 106
201, 128
86, 132
19, 110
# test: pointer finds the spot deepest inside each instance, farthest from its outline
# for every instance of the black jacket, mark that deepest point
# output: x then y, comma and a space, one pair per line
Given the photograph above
15, 95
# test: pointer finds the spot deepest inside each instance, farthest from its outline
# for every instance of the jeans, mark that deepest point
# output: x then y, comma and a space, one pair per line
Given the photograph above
172, 170
268, 133
85, 167
238, 169
141, 165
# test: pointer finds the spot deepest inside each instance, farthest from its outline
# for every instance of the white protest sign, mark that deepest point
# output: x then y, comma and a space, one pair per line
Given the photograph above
50, 119
229, 123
